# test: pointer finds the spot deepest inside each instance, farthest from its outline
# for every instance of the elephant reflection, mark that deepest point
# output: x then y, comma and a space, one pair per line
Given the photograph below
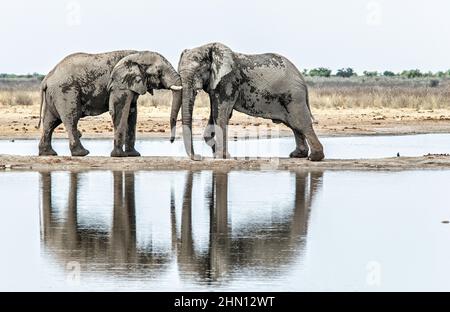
267, 248
117, 249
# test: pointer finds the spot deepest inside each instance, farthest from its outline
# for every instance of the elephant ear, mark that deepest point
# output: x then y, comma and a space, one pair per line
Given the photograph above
127, 75
221, 63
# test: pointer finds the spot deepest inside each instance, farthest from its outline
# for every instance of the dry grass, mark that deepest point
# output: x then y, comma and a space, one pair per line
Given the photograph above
24, 98
393, 93
164, 98
325, 93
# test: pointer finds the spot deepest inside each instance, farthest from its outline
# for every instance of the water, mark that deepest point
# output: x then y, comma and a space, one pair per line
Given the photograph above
238, 230
335, 147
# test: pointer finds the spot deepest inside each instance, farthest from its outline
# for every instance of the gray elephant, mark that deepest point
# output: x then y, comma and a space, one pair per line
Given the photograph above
262, 85
91, 84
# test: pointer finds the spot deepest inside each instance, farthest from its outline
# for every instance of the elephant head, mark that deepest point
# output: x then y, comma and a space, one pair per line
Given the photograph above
201, 68
144, 71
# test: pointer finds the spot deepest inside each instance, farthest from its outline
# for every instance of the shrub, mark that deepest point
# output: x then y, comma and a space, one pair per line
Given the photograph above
346, 72
388, 73
320, 72
23, 99
434, 83
413, 73
370, 73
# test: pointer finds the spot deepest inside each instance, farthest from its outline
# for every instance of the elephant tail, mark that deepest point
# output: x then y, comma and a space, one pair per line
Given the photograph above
43, 89
309, 106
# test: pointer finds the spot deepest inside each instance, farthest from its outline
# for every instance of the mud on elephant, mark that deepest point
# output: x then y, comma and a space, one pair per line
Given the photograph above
91, 84
262, 85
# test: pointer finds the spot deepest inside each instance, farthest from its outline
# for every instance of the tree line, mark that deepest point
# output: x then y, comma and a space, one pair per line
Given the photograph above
18, 76
350, 72
315, 72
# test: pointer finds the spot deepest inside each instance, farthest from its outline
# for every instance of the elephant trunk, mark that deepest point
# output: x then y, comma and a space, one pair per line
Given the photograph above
176, 105
173, 82
186, 113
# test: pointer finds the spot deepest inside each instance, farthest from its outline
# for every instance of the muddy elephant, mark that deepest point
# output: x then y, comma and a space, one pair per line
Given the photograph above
91, 84
261, 85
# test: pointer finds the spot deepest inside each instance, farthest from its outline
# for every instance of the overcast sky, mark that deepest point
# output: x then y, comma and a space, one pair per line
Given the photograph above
372, 34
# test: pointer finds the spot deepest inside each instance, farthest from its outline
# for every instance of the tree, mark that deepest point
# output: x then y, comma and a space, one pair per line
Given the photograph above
346, 72
388, 73
413, 73
370, 73
320, 72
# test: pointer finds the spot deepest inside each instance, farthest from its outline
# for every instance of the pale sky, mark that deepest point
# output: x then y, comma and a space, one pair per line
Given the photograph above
363, 34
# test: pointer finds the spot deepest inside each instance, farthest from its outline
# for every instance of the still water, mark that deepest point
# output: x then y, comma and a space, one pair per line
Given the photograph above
335, 147
237, 230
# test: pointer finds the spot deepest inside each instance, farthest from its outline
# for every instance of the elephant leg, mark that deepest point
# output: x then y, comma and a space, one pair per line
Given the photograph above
299, 120
49, 124
131, 132
68, 109
76, 148
302, 149
209, 133
223, 116
120, 102
316, 147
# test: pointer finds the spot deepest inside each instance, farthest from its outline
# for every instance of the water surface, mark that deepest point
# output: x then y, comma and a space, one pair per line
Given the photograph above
352, 147
238, 230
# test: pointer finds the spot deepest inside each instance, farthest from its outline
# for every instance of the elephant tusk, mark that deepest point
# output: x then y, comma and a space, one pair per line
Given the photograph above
176, 88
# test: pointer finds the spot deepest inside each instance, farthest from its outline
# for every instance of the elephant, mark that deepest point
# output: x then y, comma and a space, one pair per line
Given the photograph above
85, 84
260, 85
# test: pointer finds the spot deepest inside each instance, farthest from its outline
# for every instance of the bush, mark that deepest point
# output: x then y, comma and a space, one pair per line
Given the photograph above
388, 73
413, 73
23, 99
434, 83
320, 72
346, 72
370, 73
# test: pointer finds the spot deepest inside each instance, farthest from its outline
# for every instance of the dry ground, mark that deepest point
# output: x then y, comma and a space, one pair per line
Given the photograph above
8, 162
20, 122
342, 107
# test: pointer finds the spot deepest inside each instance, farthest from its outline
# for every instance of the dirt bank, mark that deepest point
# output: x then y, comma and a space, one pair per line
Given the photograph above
8, 162
20, 121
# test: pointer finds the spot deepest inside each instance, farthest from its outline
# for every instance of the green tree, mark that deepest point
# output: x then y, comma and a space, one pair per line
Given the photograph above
388, 73
346, 72
320, 72
413, 73
370, 73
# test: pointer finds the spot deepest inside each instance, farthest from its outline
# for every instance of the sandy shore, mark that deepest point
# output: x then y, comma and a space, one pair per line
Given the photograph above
8, 162
20, 121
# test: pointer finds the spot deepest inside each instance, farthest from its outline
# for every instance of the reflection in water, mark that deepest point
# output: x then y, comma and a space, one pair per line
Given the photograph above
92, 247
260, 247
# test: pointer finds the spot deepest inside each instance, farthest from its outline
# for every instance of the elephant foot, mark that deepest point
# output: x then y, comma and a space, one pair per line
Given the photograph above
132, 152
47, 152
79, 152
316, 156
118, 152
196, 157
299, 153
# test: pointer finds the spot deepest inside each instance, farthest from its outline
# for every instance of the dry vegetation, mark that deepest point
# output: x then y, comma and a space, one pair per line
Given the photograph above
343, 106
325, 93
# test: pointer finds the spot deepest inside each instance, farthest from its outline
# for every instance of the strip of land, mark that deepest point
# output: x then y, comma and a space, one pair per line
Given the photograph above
36, 163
